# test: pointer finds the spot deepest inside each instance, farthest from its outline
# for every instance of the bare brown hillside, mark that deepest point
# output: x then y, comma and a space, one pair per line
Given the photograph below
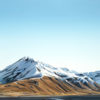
46, 86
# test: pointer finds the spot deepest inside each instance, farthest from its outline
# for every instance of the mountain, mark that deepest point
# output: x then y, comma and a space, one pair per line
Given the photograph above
29, 75
28, 68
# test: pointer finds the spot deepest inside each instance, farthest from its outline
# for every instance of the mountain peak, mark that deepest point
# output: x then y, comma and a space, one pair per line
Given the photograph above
27, 59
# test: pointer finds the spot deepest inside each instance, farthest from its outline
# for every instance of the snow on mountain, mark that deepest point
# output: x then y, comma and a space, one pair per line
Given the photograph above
22, 69
94, 76
28, 68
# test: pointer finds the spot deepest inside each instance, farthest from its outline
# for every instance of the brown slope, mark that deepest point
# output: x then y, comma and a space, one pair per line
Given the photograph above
44, 86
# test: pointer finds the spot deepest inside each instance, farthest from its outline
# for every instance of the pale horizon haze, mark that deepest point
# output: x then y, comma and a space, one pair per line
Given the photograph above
62, 33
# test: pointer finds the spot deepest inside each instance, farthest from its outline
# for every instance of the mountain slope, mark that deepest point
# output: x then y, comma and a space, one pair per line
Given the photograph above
22, 69
44, 86
94, 76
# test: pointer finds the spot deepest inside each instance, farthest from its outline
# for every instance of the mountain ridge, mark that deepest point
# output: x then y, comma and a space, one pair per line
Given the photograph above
28, 68
37, 78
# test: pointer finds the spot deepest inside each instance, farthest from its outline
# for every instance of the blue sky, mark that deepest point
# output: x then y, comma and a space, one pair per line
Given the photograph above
63, 33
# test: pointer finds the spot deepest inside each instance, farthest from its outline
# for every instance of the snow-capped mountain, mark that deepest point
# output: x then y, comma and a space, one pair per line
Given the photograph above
26, 68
